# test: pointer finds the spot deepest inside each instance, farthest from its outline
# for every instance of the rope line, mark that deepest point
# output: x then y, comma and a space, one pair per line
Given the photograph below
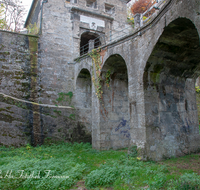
34, 103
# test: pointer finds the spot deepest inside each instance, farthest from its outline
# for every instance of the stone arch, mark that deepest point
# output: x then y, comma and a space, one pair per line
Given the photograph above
89, 40
118, 52
169, 93
84, 89
114, 106
81, 66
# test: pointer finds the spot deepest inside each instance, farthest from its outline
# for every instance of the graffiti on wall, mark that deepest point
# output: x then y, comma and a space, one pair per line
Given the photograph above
123, 129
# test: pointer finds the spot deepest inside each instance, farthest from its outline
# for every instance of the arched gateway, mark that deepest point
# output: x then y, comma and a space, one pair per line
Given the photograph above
169, 93
114, 105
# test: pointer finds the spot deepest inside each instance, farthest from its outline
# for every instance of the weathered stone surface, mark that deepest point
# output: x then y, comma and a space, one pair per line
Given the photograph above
22, 122
148, 99
162, 64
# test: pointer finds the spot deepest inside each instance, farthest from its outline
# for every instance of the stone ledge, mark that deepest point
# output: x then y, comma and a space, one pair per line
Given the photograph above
91, 13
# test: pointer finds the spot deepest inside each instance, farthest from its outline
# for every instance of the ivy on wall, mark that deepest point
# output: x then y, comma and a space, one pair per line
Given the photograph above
96, 72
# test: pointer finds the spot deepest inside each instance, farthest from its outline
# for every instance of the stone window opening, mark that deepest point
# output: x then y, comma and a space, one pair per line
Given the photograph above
115, 107
71, 1
91, 4
84, 89
88, 42
110, 9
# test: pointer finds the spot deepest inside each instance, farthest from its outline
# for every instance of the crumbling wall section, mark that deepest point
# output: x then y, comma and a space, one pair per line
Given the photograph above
15, 81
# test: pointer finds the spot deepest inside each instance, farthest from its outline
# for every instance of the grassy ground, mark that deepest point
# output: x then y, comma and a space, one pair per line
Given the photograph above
78, 166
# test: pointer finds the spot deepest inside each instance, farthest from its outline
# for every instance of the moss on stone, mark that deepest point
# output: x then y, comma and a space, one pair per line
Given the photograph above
4, 67
5, 53
7, 118
3, 60
157, 68
17, 82
5, 110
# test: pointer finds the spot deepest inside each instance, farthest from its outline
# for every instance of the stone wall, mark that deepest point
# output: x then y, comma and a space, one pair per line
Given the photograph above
151, 101
23, 119
62, 26
15, 80
114, 105
162, 60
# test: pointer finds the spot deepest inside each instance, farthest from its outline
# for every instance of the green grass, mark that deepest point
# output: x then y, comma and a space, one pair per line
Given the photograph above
47, 167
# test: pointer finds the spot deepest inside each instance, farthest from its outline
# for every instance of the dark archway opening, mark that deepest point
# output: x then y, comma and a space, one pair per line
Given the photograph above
169, 92
85, 45
83, 94
115, 115
84, 89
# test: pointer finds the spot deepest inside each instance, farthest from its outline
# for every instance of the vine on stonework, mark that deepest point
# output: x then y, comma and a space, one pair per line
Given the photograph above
108, 75
96, 69
96, 76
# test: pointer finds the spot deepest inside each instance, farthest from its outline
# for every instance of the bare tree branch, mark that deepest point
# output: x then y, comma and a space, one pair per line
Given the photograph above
13, 14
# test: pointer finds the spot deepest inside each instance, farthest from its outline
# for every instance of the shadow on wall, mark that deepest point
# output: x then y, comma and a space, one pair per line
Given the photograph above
169, 92
89, 41
115, 115
83, 104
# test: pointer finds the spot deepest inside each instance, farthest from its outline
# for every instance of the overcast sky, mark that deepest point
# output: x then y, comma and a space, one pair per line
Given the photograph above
27, 5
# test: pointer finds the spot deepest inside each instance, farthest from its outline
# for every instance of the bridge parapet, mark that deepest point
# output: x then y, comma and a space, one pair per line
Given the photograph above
162, 60
119, 33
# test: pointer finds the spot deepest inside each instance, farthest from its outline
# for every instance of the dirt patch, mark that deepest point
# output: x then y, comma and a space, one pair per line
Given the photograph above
81, 186
179, 165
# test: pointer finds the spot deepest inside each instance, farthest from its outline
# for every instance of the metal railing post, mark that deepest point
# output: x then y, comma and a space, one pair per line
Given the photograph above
91, 45
137, 20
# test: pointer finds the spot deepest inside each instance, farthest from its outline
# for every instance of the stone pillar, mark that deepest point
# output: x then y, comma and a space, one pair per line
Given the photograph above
37, 136
137, 20
91, 45
197, 83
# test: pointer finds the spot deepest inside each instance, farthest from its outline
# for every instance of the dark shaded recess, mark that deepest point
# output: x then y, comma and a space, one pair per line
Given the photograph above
85, 38
41, 125
91, 3
79, 135
178, 48
175, 57
176, 54
84, 73
117, 66
84, 85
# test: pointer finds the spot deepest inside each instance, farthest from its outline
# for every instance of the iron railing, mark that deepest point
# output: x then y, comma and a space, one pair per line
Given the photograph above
118, 33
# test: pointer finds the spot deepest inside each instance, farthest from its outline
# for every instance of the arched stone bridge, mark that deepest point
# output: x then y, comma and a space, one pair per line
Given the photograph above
148, 83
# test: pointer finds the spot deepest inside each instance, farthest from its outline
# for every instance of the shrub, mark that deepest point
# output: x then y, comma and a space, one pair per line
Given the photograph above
140, 6
102, 177
132, 152
188, 181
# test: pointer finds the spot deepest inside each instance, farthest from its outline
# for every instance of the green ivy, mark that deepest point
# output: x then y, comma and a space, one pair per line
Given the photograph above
96, 69
197, 89
64, 97
108, 77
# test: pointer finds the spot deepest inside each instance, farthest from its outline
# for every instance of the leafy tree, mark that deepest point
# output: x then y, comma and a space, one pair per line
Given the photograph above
2, 21
130, 18
12, 13
140, 6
